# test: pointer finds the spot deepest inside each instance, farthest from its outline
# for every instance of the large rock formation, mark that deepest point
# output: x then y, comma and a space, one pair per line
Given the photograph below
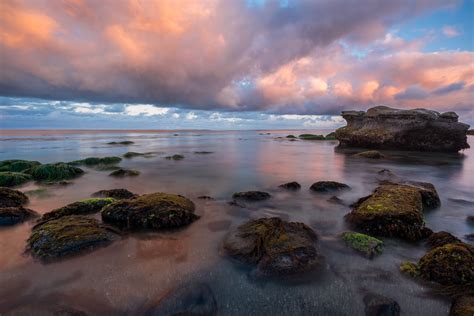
418, 129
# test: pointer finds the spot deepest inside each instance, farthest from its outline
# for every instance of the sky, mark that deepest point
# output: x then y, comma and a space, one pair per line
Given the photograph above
230, 64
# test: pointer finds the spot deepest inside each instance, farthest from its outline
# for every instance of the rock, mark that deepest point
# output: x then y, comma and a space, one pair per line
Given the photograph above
151, 211
440, 239
393, 210
470, 132
275, 246
462, 306
470, 219
10, 198
429, 195
119, 194
378, 305
330, 136
311, 137
409, 268
124, 173
67, 236
251, 196
203, 152
125, 142
16, 165
469, 237
132, 154
385, 172
55, 172
15, 214
292, 186
194, 300
84, 207
205, 197
371, 154
382, 127
93, 161
291, 136
10, 179
334, 199
328, 186
365, 244
451, 264
175, 157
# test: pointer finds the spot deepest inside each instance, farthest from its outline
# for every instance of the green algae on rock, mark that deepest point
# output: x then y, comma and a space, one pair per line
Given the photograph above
132, 154
151, 211
10, 197
410, 269
442, 238
365, 244
251, 196
93, 161
120, 173
370, 154
15, 214
311, 137
17, 165
11, 179
84, 207
328, 186
54, 172
275, 246
119, 194
175, 157
66, 236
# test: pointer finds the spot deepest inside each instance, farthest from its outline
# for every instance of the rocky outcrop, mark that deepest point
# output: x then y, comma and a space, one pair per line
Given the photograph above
387, 128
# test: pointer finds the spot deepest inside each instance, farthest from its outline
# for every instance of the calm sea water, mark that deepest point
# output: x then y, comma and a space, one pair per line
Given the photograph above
130, 273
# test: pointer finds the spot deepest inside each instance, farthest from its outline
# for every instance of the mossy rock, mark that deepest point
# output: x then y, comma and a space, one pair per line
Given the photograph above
451, 264
119, 194
291, 136
365, 244
10, 198
120, 173
94, 161
330, 136
17, 165
275, 246
175, 157
66, 236
125, 142
463, 306
151, 211
409, 268
84, 207
291, 186
328, 186
15, 214
251, 196
54, 172
132, 154
370, 154
11, 179
440, 239
392, 210
311, 137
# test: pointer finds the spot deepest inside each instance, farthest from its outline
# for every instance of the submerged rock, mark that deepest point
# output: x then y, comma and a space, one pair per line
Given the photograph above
125, 142
251, 196
440, 239
93, 161
124, 173
16, 165
205, 197
463, 306
419, 129
151, 211
275, 246
175, 157
67, 236
10, 198
365, 244
203, 152
192, 300
334, 199
84, 207
119, 194
378, 305
371, 154
55, 172
132, 154
328, 186
393, 210
311, 137
11, 179
292, 186
15, 214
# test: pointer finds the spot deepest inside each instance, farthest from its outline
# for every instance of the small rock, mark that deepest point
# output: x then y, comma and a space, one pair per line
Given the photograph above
125, 142
119, 194
365, 244
328, 186
203, 152
334, 199
205, 197
251, 196
440, 239
371, 154
311, 137
378, 305
462, 306
132, 154
470, 219
291, 136
175, 157
15, 214
292, 186
124, 173
10, 198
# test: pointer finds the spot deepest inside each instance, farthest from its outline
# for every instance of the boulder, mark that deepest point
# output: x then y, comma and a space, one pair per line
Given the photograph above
119, 194
367, 245
275, 246
54, 172
67, 236
382, 127
392, 210
16, 165
251, 196
10, 198
462, 306
328, 186
151, 211
292, 186
378, 305
15, 214
370, 154
120, 173
84, 207
440, 239
11, 179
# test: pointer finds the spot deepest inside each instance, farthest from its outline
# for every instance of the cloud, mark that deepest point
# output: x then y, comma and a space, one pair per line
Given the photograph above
412, 93
451, 31
295, 58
